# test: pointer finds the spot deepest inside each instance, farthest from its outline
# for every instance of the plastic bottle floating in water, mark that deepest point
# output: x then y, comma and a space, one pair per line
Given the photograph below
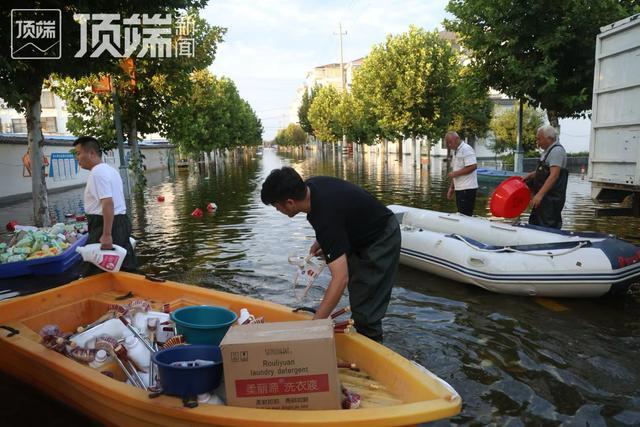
105, 259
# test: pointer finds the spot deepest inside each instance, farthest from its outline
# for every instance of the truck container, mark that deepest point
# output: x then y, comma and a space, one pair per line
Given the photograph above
614, 147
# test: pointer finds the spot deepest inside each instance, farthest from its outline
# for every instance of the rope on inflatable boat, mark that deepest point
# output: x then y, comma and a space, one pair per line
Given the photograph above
510, 249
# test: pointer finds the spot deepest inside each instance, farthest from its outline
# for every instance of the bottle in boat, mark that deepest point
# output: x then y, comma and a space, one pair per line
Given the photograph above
137, 353
106, 259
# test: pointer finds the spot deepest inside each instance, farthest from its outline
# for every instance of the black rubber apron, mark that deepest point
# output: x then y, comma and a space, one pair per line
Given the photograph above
120, 233
372, 272
548, 213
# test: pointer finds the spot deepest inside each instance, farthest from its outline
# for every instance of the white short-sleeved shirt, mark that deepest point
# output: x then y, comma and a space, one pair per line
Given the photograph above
464, 156
103, 182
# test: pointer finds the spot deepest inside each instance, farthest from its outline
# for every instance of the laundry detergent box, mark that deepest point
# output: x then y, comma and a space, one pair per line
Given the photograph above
282, 365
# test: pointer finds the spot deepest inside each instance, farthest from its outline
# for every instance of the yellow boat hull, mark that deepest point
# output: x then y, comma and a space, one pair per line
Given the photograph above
395, 391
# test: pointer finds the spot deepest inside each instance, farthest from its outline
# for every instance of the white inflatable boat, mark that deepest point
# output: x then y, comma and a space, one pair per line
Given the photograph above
517, 259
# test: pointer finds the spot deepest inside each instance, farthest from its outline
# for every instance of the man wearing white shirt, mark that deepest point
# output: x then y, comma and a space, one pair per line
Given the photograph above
464, 178
104, 203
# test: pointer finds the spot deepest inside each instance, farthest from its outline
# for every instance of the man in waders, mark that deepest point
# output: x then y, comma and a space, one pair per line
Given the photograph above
104, 203
548, 182
357, 235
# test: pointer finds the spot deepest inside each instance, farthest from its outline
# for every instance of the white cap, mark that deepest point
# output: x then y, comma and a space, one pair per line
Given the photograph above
101, 356
130, 341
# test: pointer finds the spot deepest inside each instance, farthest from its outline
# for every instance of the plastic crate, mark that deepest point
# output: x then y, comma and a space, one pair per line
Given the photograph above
43, 266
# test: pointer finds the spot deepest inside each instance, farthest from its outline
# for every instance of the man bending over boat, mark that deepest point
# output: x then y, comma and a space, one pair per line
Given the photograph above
357, 235
548, 182
104, 203
464, 178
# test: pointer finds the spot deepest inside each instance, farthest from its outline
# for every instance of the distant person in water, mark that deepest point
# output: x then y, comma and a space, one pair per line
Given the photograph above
357, 235
104, 203
464, 178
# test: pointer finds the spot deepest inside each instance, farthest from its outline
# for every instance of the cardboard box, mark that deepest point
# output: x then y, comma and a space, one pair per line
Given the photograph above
282, 365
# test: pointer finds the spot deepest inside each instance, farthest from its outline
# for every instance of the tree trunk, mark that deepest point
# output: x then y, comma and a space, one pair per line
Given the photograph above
136, 159
38, 177
554, 120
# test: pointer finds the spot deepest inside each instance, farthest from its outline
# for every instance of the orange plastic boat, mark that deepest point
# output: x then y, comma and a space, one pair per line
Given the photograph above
394, 390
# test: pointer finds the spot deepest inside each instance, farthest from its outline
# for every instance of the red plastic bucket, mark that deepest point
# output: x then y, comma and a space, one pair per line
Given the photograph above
511, 198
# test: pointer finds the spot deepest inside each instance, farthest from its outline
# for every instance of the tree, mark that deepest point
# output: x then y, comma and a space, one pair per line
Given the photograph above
406, 84
303, 111
504, 127
292, 135
145, 105
211, 115
473, 107
322, 115
21, 80
538, 51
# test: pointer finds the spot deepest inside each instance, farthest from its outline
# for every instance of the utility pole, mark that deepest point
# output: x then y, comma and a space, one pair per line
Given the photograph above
518, 158
343, 77
124, 171
342, 74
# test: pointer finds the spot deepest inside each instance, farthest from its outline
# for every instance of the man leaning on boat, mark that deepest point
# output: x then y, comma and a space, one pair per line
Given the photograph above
548, 182
358, 236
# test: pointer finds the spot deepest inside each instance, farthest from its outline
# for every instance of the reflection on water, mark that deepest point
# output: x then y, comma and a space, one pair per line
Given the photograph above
514, 360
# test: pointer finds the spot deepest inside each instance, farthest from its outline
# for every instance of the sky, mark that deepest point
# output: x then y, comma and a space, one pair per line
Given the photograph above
270, 45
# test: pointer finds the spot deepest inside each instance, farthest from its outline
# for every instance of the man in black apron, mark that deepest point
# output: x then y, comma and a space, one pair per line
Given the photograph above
358, 236
104, 204
548, 182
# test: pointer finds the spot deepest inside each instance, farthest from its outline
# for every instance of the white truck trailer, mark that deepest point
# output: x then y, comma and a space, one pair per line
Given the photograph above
614, 148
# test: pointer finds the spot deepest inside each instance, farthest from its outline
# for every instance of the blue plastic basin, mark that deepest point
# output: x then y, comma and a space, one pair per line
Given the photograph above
203, 324
189, 381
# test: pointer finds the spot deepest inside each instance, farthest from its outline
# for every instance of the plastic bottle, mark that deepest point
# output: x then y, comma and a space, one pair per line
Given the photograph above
244, 316
107, 260
137, 352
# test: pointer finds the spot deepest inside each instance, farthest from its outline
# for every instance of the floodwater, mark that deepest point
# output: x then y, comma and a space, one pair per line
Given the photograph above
514, 360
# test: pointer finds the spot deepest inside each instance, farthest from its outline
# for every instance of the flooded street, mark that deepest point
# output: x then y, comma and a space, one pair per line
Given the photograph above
514, 360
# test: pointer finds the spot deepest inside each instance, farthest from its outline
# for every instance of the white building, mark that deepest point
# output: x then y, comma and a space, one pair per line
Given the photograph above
53, 117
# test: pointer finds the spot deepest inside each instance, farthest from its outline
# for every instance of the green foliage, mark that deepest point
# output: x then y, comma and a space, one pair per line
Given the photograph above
505, 129
579, 154
292, 135
473, 107
322, 115
89, 113
303, 111
211, 115
159, 81
137, 167
406, 83
538, 51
